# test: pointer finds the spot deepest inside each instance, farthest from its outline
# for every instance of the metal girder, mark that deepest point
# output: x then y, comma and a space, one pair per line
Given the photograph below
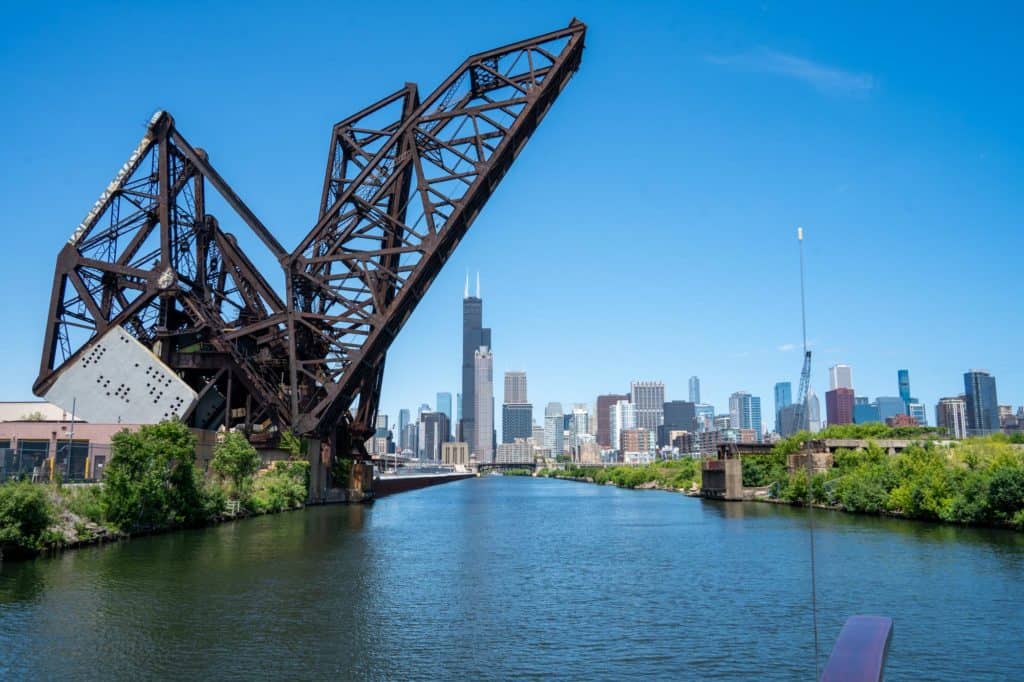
405, 179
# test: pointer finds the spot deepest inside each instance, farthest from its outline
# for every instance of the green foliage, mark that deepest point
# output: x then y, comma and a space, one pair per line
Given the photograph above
977, 481
675, 474
235, 460
283, 486
25, 515
760, 470
85, 501
151, 480
292, 444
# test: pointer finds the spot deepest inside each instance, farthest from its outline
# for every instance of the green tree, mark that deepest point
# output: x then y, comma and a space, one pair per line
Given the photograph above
236, 460
25, 514
150, 481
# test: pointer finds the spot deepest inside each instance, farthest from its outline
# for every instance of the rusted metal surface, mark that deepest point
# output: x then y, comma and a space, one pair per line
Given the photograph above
405, 179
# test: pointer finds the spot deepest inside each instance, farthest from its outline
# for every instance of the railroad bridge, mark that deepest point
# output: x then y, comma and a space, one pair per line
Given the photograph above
156, 311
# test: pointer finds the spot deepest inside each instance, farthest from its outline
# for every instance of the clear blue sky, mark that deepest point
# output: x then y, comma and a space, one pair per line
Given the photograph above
647, 230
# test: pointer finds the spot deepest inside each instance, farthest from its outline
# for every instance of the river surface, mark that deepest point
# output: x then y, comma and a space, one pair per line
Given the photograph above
512, 578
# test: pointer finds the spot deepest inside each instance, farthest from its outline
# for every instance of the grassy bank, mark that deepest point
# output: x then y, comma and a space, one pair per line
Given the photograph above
151, 484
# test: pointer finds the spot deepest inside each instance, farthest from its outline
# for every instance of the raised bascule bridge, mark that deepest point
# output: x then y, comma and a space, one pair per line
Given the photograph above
156, 311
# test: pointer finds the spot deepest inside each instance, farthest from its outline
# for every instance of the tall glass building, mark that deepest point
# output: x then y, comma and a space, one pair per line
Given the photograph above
982, 403
783, 398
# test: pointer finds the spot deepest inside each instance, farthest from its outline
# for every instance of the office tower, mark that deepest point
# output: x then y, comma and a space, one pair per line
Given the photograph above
444, 404
812, 419
483, 405
538, 436
604, 406
705, 416
951, 414
458, 408
903, 377
648, 398
379, 441
410, 439
865, 411
622, 416
474, 337
694, 389
680, 415
840, 376
554, 427
423, 408
723, 422
516, 452
403, 421
982, 403
515, 388
788, 421
516, 422
783, 398
434, 429
917, 410
839, 406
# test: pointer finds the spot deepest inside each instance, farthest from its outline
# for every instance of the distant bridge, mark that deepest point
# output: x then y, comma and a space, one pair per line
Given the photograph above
504, 466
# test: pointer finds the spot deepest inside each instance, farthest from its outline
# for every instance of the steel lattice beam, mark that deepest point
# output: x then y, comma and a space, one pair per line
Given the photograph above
404, 181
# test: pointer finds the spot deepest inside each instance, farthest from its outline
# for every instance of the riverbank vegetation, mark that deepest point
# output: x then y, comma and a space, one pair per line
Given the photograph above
978, 481
151, 484
667, 475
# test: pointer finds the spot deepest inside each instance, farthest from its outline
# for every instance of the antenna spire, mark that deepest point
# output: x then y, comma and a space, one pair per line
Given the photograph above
478, 284
465, 294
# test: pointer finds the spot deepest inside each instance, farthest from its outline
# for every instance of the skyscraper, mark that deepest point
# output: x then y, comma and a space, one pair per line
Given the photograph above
839, 406
515, 388
444, 404
434, 431
951, 414
622, 416
604, 424
403, 421
903, 377
813, 417
680, 415
554, 427
745, 412
705, 416
694, 389
516, 411
783, 398
483, 405
840, 376
474, 336
918, 412
579, 425
982, 403
889, 406
648, 398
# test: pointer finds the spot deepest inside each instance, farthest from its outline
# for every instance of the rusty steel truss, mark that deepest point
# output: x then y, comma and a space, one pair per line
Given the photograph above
405, 179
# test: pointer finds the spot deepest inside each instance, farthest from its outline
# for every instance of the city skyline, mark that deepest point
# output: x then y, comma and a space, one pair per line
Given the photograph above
875, 184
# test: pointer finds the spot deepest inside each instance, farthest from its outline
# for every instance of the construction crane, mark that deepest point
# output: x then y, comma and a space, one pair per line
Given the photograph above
805, 374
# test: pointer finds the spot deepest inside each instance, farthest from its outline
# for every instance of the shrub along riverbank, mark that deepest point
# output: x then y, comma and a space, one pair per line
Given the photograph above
665, 475
151, 484
978, 481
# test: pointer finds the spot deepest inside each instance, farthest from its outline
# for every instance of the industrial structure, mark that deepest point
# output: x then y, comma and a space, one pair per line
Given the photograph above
156, 311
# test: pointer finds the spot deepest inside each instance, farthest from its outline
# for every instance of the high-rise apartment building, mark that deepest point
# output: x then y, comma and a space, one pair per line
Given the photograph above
694, 389
474, 337
622, 416
579, 426
648, 398
839, 406
745, 412
444, 404
603, 418
783, 398
554, 429
705, 416
515, 388
840, 376
482, 444
982, 403
917, 410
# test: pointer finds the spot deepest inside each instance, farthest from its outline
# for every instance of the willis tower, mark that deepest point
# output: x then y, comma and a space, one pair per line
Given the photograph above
474, 335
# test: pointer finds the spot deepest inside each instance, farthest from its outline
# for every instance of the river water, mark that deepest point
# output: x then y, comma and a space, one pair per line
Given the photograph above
503, 577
